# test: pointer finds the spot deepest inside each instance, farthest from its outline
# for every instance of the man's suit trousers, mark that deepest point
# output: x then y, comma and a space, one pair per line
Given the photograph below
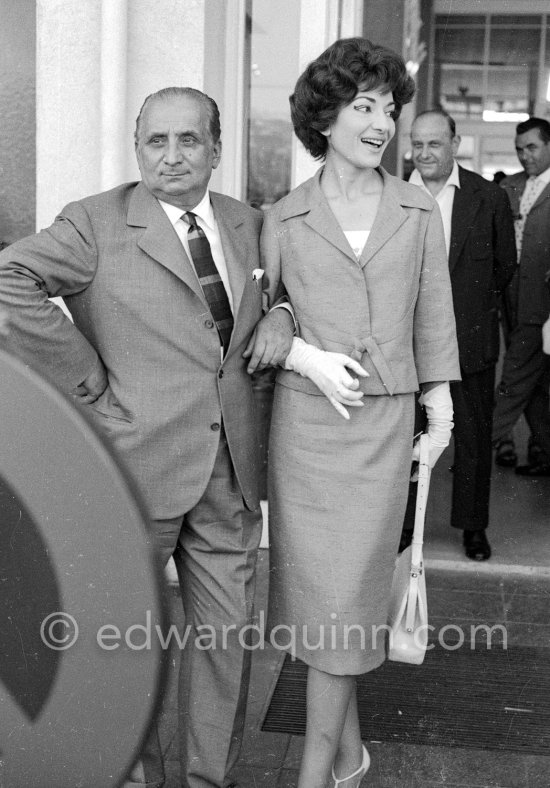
473, 399
214, 547
524, 388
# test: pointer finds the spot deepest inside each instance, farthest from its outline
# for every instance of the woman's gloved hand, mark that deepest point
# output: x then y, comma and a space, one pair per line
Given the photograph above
329, 373
439, 410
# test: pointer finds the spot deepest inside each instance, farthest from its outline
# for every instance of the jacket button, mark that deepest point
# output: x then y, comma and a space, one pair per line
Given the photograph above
209, 323
220, 373
215, 427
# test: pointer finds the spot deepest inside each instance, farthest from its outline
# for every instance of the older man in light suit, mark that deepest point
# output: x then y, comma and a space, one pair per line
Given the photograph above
165, 309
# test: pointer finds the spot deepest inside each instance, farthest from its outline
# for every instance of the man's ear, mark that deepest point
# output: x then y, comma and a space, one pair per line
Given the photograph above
456, 144
217, 154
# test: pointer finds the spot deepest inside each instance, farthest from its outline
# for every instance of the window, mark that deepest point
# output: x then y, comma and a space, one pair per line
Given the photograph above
487, 66
274, 30
280, 39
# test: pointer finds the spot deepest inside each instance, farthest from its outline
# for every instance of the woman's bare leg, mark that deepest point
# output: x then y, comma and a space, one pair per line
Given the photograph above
332, 730
350, 751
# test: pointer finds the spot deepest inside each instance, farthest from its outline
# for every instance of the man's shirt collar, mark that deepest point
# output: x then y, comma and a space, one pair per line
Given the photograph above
544, 177
452, 180
203, 210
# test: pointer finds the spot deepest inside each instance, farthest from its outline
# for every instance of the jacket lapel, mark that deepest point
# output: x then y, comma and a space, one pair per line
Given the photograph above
465, 206
543, 196
229, 219
308, 200
321, 219
514, 186
389, 218
160, 240
312, 202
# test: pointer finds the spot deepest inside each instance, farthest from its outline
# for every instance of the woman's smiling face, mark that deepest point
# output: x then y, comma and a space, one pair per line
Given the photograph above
362, 130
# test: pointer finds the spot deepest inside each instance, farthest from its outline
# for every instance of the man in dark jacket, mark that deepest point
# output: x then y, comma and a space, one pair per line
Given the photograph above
526, 369
479, 234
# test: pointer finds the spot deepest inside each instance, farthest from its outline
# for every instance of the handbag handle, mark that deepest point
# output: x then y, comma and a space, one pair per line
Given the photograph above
417, 563
421, 499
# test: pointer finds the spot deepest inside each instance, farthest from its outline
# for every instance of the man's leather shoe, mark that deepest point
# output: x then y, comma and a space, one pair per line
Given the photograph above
506, 455
476, 545
535, 453
539, 469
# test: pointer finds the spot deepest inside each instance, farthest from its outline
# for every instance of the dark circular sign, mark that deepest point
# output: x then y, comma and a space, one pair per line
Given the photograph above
81, 614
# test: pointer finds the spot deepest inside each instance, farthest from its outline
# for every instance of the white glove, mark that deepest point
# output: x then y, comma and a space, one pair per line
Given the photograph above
439, 410
546, 337
328, 372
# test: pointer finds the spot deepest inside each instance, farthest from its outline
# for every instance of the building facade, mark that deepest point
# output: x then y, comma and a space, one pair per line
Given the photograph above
73, 75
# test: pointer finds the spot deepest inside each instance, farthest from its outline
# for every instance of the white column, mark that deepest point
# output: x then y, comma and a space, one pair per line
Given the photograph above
114, 139
166, 47
225, 75
96, 62
233, 120
68, 162
315, 20
351, 23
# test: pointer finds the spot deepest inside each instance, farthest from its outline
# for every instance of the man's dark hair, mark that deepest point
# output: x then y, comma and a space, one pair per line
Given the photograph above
333, 80
535, 123
177, 92
442, 114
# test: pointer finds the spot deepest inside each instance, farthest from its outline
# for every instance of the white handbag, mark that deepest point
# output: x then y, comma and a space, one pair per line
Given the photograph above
408, 610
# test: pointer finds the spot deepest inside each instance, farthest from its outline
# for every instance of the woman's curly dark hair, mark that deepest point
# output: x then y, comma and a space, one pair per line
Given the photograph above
332, 81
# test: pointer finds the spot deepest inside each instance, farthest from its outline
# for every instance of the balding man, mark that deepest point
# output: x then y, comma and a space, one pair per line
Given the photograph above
479, 235
160, 278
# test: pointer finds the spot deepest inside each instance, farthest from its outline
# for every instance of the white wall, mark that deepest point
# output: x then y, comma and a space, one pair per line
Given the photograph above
17, 103
165, 46
98, 59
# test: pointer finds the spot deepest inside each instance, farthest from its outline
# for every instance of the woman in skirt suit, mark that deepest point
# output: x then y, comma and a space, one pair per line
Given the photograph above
361, 257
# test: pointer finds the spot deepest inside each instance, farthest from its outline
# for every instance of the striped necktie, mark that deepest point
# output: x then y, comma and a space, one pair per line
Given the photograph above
209, 278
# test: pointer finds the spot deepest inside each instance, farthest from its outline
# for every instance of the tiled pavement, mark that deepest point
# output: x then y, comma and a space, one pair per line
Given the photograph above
512, 589
271, 760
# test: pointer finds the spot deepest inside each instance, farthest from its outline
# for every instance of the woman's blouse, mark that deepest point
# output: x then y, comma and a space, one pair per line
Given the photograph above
357, 240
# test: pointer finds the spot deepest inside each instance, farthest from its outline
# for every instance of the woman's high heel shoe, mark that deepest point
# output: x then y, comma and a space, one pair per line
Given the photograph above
360, 772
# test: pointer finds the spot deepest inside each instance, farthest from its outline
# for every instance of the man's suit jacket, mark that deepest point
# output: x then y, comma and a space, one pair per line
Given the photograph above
482, 260
136, 302
391, 309
533, 299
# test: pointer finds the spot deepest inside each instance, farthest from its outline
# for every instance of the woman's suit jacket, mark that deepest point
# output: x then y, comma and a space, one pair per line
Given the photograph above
136, 302
391, 309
